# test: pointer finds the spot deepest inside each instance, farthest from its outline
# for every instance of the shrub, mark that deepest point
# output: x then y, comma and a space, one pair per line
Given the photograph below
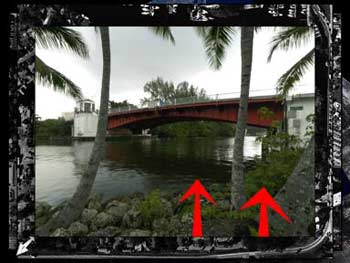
152, 208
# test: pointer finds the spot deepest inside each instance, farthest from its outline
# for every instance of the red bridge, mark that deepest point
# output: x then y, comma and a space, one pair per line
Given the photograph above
225, 110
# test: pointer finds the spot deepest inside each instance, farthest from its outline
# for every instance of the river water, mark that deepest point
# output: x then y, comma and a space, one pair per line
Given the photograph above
137, 164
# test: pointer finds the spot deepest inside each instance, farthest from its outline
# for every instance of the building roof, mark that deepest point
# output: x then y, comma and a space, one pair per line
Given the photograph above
301, 96
86, 100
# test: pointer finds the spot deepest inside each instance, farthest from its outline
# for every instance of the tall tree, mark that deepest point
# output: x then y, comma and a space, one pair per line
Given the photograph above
286, 39
61, 38
73, 209
216, 40
166, 91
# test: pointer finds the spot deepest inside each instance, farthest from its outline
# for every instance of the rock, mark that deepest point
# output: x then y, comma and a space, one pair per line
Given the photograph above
140, 233
125, 233
164, 227
113, 230
186, 219
94, 202
160, 224
176, 226
78, 229
88, 215
118, 212
103, 219
42, 209
60, 232
109, 231
116, 203
135, 202
132, 219
93, 227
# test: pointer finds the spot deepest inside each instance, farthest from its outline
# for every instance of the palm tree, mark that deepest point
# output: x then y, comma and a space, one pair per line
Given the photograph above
216, 40
288, 38
59, 38
73, 209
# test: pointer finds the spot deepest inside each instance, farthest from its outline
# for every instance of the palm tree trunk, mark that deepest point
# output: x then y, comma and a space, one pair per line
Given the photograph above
76, 204
237, 173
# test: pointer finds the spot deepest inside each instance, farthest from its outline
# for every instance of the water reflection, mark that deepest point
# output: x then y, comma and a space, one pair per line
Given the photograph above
137, 165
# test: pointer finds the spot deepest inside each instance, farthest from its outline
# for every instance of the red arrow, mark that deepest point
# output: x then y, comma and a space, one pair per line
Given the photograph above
264, 198
197, 189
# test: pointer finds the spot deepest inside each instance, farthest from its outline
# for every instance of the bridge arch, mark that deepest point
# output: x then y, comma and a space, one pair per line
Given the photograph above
221, 111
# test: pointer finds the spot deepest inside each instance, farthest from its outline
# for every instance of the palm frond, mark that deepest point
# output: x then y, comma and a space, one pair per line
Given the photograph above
257, 29
288, 38
287, 81
61, 38
201, 31
164, 32
49, 76
216, 39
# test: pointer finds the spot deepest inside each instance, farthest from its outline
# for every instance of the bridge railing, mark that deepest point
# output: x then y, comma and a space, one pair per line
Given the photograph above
188, 100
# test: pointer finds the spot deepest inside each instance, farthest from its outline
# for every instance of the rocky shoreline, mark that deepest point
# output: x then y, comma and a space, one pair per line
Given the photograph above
154, 214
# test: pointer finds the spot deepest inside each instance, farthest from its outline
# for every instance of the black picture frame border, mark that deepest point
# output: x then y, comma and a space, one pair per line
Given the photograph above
23, 147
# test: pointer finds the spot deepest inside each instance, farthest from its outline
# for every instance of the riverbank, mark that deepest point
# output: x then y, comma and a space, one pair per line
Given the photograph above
155, 214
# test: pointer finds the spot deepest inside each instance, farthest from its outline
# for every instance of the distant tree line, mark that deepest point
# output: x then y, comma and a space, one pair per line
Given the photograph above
46, 130
123, 104
195, 129
167, 92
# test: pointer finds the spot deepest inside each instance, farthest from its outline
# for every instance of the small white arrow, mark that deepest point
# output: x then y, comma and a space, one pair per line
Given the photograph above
22, 248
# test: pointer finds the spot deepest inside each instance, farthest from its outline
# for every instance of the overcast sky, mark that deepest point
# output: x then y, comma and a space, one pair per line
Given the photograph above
138, 56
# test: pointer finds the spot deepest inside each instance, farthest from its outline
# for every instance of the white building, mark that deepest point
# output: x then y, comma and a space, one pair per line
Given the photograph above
299, 107
85, 119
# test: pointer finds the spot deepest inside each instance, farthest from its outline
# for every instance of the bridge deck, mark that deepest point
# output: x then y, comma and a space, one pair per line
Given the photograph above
223, 110
203, 103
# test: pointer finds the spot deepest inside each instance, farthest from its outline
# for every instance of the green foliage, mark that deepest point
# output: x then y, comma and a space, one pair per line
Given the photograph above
265, 113
216, 40
51, 77
164, 32
124, 103
195, 129
272, 171
52, 128
61, 38
152, 207
244, 215
64, 39
166, 91
293, 75
253, 231
211, 212
289, 38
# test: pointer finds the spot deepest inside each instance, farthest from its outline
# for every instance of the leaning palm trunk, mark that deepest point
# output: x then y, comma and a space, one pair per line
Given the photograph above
237, 173
76, 204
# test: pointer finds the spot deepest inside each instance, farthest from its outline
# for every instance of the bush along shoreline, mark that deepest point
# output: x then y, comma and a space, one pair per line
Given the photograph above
154, 214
